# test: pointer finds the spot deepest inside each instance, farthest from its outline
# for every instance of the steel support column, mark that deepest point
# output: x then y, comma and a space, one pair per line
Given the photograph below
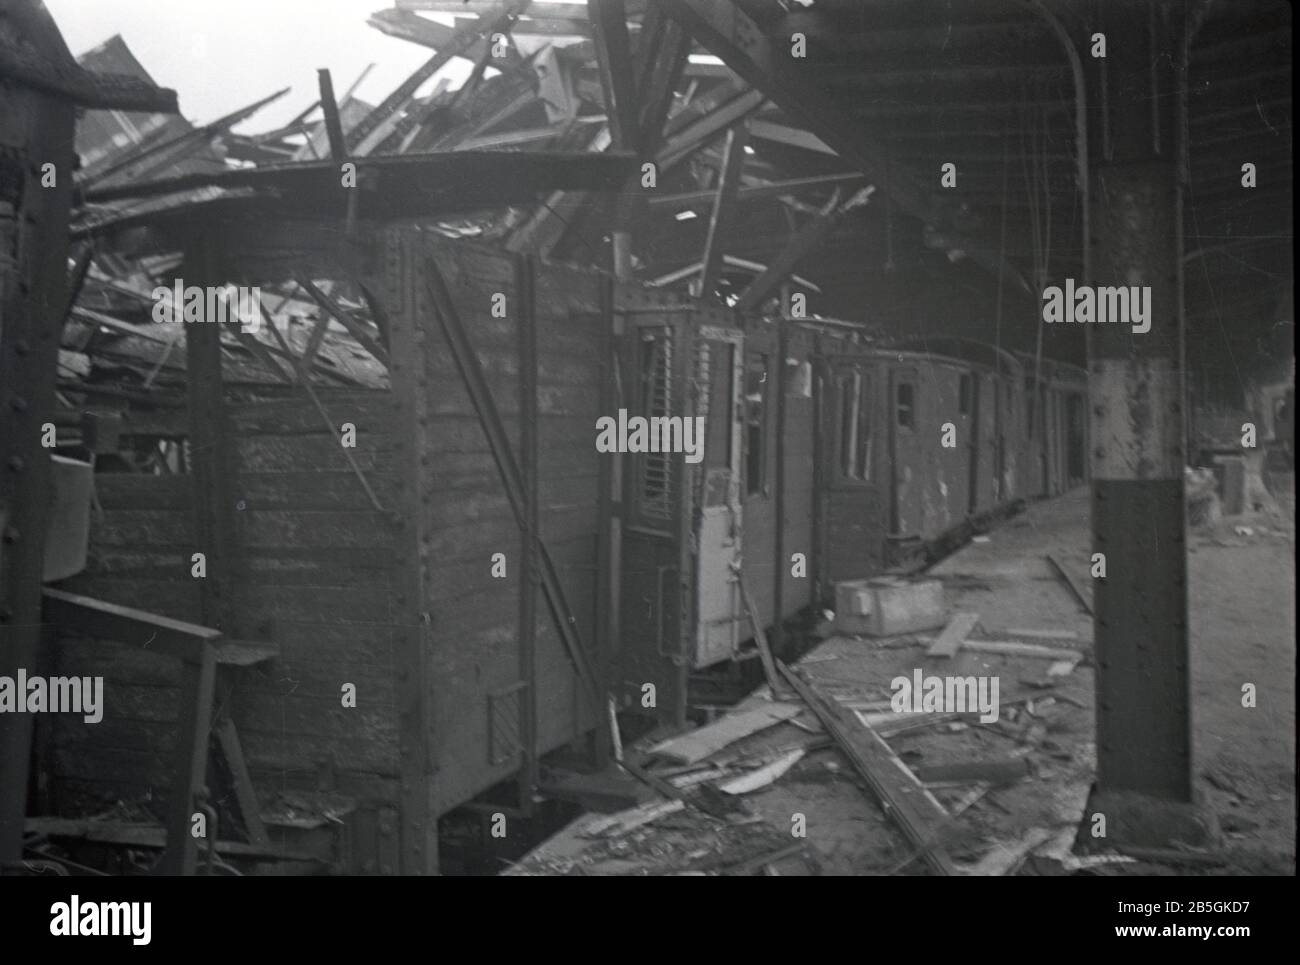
35, 129
1143, 713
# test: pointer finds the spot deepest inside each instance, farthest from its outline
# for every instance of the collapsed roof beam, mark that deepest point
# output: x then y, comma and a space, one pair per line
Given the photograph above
730, 33
660, 58
614, 58
723, 207
375, 127
330, 108
727, 31
429, 33
775, 189
657, 63
551, 11
799, 246
693, 134
182, 144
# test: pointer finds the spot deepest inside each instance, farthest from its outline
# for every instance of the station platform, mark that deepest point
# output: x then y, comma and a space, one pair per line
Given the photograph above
991, 797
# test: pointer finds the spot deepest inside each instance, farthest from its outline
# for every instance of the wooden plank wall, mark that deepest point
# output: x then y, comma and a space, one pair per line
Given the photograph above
317, 580
141, 541
317, 563
475, 615
317, 559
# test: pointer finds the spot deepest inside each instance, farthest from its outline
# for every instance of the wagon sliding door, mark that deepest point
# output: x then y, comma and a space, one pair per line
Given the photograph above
907, 508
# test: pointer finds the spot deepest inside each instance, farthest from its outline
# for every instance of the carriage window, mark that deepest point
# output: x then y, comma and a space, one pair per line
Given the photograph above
963, 395
855, 427
717, 360
905, 405
756, 389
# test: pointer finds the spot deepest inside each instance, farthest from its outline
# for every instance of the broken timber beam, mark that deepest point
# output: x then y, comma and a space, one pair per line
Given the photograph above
376, 126
1068, 578
330, 108
336, 311
729, 33
796, 249
947, 643
723, 206
614, 59
760, 639
903, 797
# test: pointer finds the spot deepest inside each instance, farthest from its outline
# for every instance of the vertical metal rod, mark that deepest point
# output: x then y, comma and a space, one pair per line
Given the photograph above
526, 329
778, 383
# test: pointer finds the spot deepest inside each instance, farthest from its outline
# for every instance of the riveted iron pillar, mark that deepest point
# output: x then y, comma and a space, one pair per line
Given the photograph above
1137, 411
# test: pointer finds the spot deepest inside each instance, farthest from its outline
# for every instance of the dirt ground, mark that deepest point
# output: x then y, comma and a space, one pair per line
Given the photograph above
1242, 583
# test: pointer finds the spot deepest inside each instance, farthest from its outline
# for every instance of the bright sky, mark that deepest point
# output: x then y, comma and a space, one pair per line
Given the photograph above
220, 55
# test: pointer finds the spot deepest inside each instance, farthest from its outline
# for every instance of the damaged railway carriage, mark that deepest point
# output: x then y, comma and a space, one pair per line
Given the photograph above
414, 590
827, 457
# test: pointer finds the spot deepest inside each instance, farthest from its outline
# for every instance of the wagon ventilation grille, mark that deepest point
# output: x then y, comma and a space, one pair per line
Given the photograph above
505, 733
655, 480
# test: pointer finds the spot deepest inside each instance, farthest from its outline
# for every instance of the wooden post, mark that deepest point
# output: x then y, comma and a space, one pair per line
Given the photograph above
212, 467
198, 682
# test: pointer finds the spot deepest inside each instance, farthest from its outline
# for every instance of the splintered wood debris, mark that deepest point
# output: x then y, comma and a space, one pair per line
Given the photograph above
940, 793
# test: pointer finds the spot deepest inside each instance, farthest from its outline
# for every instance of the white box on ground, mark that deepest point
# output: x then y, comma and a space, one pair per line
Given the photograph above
885, 606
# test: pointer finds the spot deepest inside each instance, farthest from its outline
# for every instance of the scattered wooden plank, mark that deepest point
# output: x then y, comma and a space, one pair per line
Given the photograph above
615, 737
916, 810
760, 640
1174, 857
651, 780
100, 619
1003, 858
1061, 668
969, 800
243, 653
996, 771
617, 825
1040, 634
1011, 648
763, 861
947, 643
1084, 598
699, 744
763, 776
709, 772
151, 836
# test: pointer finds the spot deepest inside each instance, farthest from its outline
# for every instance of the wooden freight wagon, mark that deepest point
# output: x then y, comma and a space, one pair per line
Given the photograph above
412, 571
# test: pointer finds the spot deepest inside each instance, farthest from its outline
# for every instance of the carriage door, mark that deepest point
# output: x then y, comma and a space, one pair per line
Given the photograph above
854, 510
719, 384
906, 508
